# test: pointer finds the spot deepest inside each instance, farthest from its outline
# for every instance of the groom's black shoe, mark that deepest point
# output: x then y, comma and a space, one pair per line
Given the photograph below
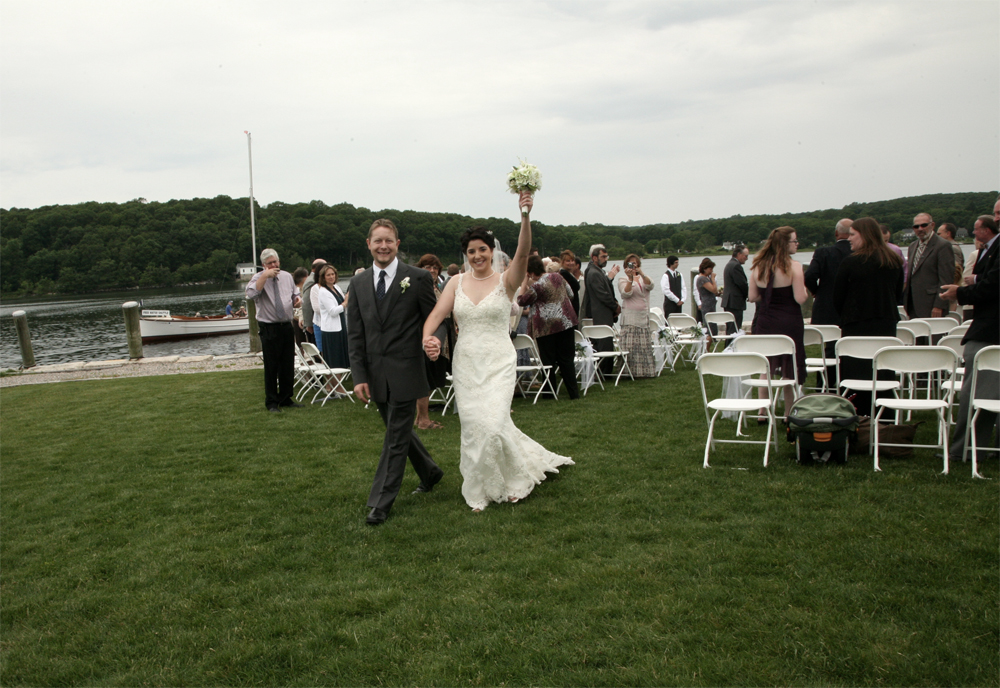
376, 517
427, 487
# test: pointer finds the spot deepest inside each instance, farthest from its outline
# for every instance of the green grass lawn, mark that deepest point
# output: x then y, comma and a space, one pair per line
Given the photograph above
169, 531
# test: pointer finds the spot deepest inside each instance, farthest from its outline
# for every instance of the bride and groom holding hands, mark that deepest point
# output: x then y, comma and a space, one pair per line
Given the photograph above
393, 322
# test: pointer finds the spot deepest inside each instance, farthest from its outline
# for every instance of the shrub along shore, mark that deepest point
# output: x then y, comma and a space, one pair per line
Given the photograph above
167, 530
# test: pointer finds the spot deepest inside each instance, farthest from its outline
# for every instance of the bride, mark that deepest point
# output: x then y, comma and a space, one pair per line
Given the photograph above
499, 463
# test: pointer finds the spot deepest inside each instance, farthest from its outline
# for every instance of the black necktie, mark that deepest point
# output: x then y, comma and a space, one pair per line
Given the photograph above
380, 289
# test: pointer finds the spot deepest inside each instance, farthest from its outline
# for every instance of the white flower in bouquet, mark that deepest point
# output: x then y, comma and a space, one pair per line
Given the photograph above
526, 177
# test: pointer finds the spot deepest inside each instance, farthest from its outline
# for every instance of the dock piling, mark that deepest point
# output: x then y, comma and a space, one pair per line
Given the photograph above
132, 331
24, 339
255, 346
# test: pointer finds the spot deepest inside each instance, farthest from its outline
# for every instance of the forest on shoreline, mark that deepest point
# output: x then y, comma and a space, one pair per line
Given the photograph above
90, 247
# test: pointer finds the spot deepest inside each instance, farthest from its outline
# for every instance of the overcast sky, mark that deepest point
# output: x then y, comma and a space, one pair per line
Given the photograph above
635, 112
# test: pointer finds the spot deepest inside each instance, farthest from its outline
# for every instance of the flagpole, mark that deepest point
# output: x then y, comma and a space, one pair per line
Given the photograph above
253, 227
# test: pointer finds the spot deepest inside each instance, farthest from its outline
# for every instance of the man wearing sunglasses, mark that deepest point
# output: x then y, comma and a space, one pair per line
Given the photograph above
930, 265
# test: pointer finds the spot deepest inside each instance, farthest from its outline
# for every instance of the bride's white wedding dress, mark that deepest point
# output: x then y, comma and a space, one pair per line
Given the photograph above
499, 463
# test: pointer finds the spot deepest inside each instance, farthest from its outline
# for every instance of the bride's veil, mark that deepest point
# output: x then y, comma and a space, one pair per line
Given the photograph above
500, 259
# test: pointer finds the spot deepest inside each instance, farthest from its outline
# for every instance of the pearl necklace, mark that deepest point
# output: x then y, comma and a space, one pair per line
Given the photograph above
483, 278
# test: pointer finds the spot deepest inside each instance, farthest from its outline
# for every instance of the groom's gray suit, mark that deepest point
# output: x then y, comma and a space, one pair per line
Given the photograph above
386, 350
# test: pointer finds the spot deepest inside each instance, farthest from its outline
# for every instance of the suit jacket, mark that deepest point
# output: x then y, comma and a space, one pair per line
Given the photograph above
385, 340
307, 307
923, 285
985, 296
736, 289
821, 276
599, 296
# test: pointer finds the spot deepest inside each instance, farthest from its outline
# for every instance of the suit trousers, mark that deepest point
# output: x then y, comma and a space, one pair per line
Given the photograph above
669, 307
277, 340
558, 350
987, 387
738, 315
400, 442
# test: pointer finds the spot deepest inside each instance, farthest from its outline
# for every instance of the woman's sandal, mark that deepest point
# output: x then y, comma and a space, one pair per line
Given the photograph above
433, 426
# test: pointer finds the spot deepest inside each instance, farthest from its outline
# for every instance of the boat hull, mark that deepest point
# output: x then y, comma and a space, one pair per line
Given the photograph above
175, 328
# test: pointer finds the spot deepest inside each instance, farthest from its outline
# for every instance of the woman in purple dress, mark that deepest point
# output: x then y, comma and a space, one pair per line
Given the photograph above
778, 287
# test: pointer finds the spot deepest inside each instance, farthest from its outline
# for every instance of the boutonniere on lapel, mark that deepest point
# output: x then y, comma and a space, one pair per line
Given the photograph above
404, 284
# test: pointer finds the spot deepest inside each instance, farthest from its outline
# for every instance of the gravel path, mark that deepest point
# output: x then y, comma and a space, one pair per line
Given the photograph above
108, 370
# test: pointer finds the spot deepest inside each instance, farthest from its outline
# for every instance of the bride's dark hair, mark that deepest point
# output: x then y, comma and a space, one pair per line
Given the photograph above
477, 232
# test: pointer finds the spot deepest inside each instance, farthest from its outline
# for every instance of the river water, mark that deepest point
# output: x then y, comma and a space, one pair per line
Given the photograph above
92, 328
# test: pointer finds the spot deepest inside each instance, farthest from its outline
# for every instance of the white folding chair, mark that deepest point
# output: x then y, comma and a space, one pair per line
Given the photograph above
905, 335
657, 310
953, 384
657, 319
918, 328
444, 394
913, 360
736, 365
324, 376
960, 330
681, 324
902, 313
593, 332
987, 359
769, 345
938, 326
811, 336
536, 373
865, 348
721, 319
830, 333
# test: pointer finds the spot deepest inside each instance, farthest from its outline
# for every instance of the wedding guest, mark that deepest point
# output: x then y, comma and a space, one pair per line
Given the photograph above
673, 287
569, 267
599, 302
552, 322
332, 304
707, 289
437, 370
306, 318
299, 276
274, 292
636, 338
311, 310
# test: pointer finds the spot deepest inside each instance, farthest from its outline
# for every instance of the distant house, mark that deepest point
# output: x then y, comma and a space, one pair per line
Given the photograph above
728, 246
245, 271
962, 233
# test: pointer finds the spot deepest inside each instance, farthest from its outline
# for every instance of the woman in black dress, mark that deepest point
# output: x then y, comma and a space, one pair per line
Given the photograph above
778, 287
869, 284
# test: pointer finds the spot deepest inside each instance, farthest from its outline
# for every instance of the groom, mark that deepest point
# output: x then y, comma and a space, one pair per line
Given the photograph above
385, 318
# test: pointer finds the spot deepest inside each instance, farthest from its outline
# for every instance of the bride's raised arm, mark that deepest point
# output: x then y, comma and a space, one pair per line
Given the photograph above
514, 274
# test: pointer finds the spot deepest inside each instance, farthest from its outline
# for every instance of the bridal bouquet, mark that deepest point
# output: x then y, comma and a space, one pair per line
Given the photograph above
524, 178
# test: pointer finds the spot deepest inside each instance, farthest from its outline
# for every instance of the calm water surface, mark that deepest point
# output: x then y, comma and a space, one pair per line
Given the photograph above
92, 328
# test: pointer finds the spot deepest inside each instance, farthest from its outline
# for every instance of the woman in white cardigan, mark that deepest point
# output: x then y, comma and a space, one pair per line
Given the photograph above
333, 320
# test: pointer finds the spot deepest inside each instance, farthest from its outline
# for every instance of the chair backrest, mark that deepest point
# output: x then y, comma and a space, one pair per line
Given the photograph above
657, 318
578, 337
902, 313
657, 310
734, 364
987, 359
681, 321
864, 347
584, 322
831, 333
523, 341
937, 325
915, 359
811, 336
918, 327
906, 335
598, 331
960, 329
953, 342
765, 344
720, 317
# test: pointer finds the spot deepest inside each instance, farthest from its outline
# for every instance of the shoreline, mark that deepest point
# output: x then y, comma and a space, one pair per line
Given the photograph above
120, 368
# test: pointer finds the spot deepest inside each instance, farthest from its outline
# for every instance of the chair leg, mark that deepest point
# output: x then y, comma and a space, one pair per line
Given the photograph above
708, 442
873, 436
767, 444
972, 433
943, 434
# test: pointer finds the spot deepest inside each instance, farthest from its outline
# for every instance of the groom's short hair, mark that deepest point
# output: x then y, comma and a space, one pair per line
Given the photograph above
382, 222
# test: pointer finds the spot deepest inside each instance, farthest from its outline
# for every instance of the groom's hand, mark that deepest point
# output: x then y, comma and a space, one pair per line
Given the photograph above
361, 392
432, 347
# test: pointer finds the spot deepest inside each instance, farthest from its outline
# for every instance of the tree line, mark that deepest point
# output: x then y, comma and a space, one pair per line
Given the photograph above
93, 246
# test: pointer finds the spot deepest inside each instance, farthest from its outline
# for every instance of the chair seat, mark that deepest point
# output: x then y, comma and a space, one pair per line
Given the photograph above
738, 404
953, 385
911, 404
866, 385
822, 362
990, 405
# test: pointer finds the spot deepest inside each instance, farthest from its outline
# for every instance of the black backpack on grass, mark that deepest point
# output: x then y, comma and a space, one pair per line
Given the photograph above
821, 426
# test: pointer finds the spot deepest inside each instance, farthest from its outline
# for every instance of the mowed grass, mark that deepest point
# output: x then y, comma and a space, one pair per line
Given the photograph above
169, 531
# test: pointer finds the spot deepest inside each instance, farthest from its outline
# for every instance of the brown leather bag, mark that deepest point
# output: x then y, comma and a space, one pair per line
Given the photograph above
893, 434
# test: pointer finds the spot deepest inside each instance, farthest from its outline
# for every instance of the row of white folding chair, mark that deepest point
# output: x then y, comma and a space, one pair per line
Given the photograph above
593, 332
987, 359
721, 320
768, 345
737, 365
819, 365
681, 324
535, 373
314, 373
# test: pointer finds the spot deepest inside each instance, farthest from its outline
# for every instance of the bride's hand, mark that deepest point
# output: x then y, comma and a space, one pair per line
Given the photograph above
432, 347
525, 200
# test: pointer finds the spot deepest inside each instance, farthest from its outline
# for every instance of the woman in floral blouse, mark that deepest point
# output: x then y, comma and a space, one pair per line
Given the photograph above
551, 321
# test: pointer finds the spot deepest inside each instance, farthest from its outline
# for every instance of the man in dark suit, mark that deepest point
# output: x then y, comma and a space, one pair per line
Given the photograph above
386, 312
982, 290
931, 265
600, 303
821, 275
735, 286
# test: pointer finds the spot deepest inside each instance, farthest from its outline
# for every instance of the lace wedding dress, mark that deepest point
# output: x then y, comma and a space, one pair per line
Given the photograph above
499, 463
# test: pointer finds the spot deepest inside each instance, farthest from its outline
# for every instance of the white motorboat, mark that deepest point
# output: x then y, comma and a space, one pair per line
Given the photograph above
161, 326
